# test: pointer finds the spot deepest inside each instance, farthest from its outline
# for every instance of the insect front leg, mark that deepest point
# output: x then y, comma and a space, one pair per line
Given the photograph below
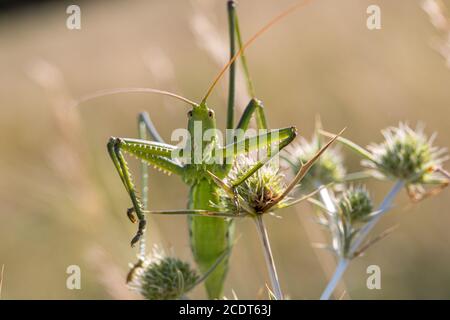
146, 130
253, 106
153, 153
231, 10
265, 140
281, 137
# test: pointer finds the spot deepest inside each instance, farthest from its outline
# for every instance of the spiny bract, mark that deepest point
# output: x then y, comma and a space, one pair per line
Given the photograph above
259, 190
327, 169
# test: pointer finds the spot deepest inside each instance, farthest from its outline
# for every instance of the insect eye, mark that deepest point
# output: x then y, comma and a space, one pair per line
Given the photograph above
189, 113
210, 113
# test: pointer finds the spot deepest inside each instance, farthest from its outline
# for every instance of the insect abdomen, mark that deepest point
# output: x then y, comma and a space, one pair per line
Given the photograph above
209, 236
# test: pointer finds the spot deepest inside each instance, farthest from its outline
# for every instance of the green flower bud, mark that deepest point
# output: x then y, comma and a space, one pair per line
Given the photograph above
355, 203
259, 190
406, 154
164, 278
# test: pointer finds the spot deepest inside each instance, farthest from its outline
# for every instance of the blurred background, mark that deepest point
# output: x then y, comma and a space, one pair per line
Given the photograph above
62, 203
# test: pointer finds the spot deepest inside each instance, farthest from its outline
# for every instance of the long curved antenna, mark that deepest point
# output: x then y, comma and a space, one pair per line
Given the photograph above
107, 92
250, 41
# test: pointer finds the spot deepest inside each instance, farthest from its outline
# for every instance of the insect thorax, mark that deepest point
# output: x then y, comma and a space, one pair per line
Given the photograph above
194, 173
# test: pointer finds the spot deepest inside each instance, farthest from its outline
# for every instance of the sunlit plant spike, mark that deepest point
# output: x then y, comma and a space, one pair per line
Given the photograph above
360, 150
327, 169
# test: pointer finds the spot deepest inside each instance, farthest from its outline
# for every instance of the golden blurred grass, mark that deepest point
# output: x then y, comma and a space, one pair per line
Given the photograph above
61, 202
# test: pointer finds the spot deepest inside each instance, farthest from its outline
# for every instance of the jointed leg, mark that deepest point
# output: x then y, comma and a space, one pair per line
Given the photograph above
302, 172
260, 115
265, 140
231, 7
153, 153
146, 128
235, 34
203, 213
231, 189
253, 106
119, 162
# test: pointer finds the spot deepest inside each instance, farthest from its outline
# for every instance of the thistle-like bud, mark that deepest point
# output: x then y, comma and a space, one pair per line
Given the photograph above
164, 278
327, 169
356, 204
259, 190
351, 210
406, 154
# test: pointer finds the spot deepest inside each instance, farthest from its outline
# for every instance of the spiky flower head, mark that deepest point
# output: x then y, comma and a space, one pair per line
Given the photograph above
164, 278
356, 204
349, 212
327, 169
406, 154
259, 190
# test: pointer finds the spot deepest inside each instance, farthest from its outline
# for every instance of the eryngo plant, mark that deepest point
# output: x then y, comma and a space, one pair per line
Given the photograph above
409, 158
406, 154
354, 208
161, 277
256, 192
265, 190
355, 204
253, 190
329, 168
262, 192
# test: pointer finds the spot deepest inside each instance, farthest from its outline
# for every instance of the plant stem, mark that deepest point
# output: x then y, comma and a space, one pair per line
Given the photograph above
275, 283
326, 198
383, 208
329, 204
340, 269
344, 262
144, 192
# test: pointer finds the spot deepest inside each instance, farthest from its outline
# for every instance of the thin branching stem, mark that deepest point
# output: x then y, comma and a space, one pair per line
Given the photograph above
331, 208
384, 207
338, 273
326, 198
275, 283
144, 191
344, 262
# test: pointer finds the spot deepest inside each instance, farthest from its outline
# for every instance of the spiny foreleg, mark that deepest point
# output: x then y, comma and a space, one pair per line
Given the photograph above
114, 149
153, 153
